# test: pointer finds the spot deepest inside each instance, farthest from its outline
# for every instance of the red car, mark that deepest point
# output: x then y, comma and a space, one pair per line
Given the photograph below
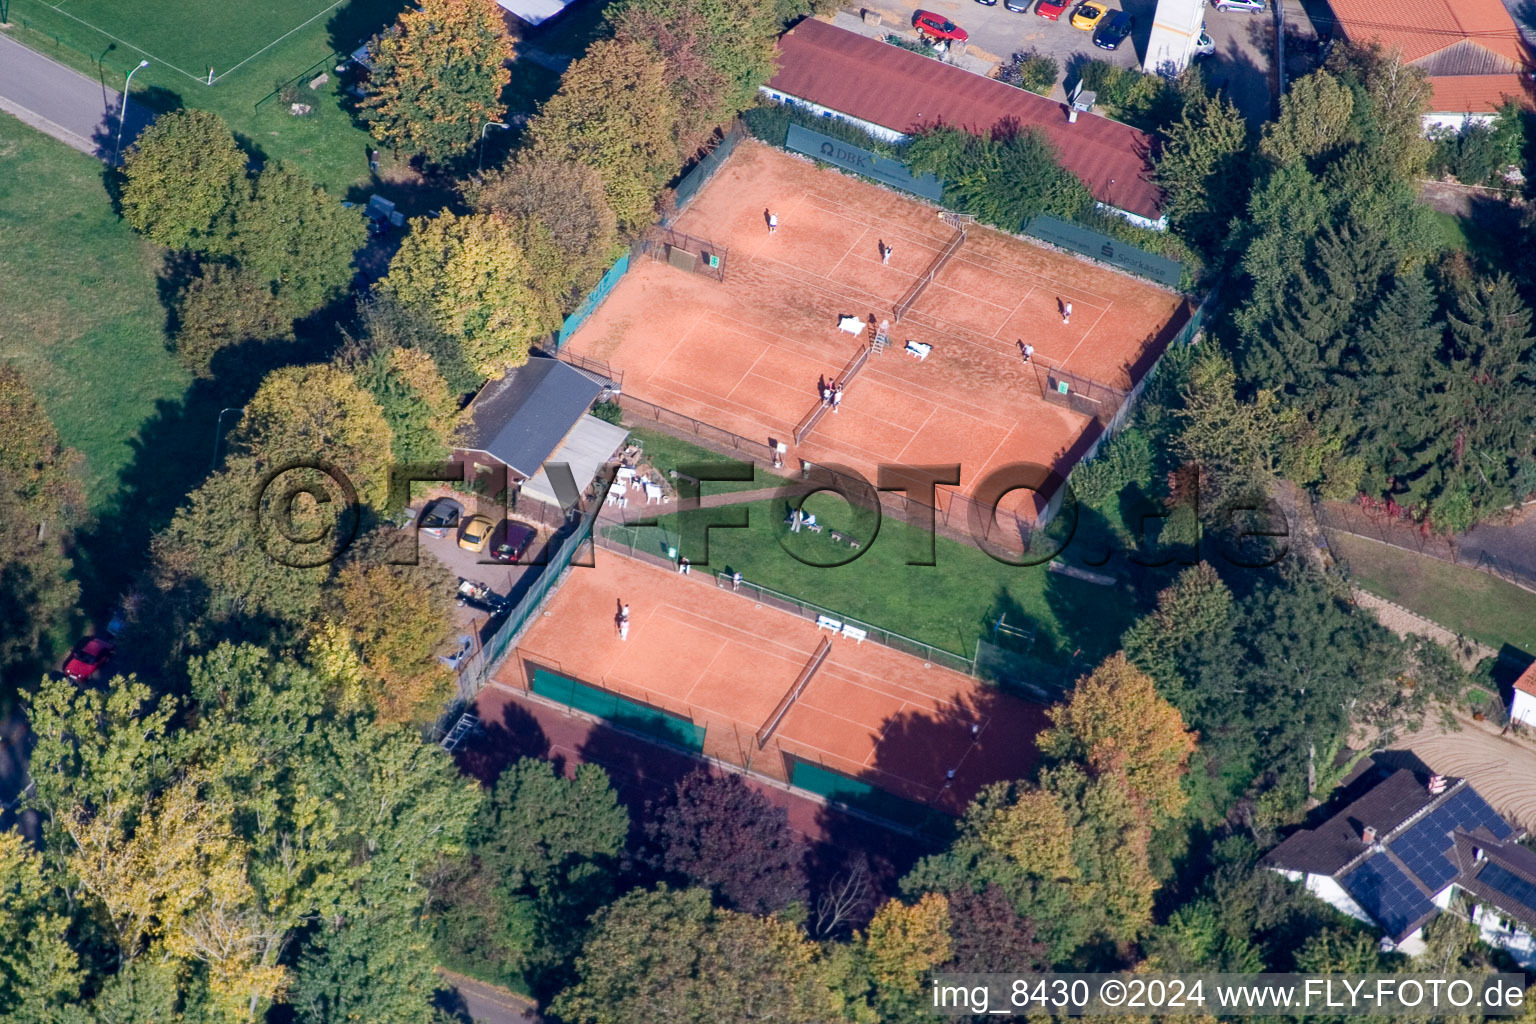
1053, 9
87, 658
936, 26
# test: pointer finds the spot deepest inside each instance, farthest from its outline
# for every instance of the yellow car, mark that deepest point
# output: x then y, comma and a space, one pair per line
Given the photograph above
475, 533
1087, 15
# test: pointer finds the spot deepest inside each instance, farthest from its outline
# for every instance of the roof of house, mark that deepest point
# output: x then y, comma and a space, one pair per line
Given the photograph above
1505, 876
1421, 847
589, 445
522, 418
1472, 49
905, 91
1527, 681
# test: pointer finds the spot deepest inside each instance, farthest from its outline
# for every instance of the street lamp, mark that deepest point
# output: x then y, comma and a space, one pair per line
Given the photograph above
500, 124
218, 435
122, 111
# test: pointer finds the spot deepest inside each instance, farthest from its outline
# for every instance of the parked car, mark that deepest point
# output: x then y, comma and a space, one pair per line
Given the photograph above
1088, 15
474, 594
1205, 45
1252, 6
440, 517
511, 541
1017, 6
1113, 30
1052, 10
461, 650
987, 3
936, 26
475, 532
87, 658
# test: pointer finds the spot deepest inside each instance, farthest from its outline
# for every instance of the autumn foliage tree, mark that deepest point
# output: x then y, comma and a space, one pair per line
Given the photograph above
223, 307
1116, 723
182, 179
717, 832
437, 77
615, 113
40, 501
472, 279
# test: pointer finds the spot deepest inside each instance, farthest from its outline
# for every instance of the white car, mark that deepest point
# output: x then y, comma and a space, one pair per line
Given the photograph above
1254, 6
1205, 45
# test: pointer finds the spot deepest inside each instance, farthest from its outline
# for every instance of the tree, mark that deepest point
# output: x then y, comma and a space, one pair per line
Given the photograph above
39, 972
223, 307
377, 969
1316, 116
562, 219
437, 77
318, 412
1231, 442
471, 279
1115, 723
1193, 615
398, 617
1003, 179
386, 323
414, 400
988, 935
545, 857
615, 114
669, 955
903, 944
295, 235
40, 501
718, 832
716, 55
1204, 170
182, 179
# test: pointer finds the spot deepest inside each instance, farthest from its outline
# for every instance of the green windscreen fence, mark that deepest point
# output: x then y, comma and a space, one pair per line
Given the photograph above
1099, 246
856, 793
620, 711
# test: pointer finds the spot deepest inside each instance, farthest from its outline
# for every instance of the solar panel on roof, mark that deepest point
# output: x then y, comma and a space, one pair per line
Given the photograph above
1508, 883
1387, 894
1425, 848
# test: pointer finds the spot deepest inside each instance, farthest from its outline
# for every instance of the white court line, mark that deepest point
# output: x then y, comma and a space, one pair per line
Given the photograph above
279, 39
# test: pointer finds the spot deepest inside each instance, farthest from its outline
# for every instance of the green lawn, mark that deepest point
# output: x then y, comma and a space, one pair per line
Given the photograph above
666, 453
328, 143
82, 317
950, 604
1472, 603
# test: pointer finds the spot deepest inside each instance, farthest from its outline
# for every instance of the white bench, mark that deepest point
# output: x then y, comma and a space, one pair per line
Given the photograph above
851, 325
855, 634
918, 350
824, 622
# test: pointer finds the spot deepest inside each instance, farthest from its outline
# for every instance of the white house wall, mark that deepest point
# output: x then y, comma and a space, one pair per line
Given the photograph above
1331, 893
1519, 943
1523, 708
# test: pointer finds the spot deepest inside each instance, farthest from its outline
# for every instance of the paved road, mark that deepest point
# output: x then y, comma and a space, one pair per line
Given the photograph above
77, 110
487, 1004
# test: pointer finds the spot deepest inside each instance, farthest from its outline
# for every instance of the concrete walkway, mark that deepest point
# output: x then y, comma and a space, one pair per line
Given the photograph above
77, 110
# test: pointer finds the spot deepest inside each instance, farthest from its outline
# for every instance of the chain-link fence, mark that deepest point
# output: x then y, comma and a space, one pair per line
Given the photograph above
1420, 539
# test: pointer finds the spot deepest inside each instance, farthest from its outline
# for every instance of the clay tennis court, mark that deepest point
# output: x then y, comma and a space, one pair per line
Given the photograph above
746, 354
724, 662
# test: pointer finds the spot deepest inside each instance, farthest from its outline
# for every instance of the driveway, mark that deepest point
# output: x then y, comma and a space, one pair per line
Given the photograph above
1244, 61
77, 110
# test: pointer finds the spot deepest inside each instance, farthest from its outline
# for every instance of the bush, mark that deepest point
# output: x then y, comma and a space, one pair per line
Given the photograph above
1478, 154
1147, 101
913, 45
223, 307
770, 123
608, 412
1031, 70
1127, 458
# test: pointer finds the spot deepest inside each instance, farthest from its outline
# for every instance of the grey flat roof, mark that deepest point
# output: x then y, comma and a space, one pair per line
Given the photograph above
590, 443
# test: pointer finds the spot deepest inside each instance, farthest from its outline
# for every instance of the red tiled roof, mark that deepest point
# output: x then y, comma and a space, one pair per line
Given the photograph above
1527, 681
1481, 94
905, 91
1421, 27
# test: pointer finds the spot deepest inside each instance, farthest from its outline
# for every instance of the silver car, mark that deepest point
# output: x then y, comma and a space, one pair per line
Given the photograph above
1242, 5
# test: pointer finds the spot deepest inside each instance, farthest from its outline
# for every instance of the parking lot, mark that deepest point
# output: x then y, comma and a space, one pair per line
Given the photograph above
500, 577
1242, 62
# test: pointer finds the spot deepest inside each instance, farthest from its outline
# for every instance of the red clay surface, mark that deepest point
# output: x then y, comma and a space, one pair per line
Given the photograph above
746, 354
724, 662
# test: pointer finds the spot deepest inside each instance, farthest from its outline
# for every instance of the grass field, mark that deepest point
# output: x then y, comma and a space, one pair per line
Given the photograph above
83, 318
666, 453
278, 47
1469, 602
949, 605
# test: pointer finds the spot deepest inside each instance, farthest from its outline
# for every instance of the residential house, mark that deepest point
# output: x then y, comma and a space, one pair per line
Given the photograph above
1398, 856
1522, 707
1472, 50
538, 414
